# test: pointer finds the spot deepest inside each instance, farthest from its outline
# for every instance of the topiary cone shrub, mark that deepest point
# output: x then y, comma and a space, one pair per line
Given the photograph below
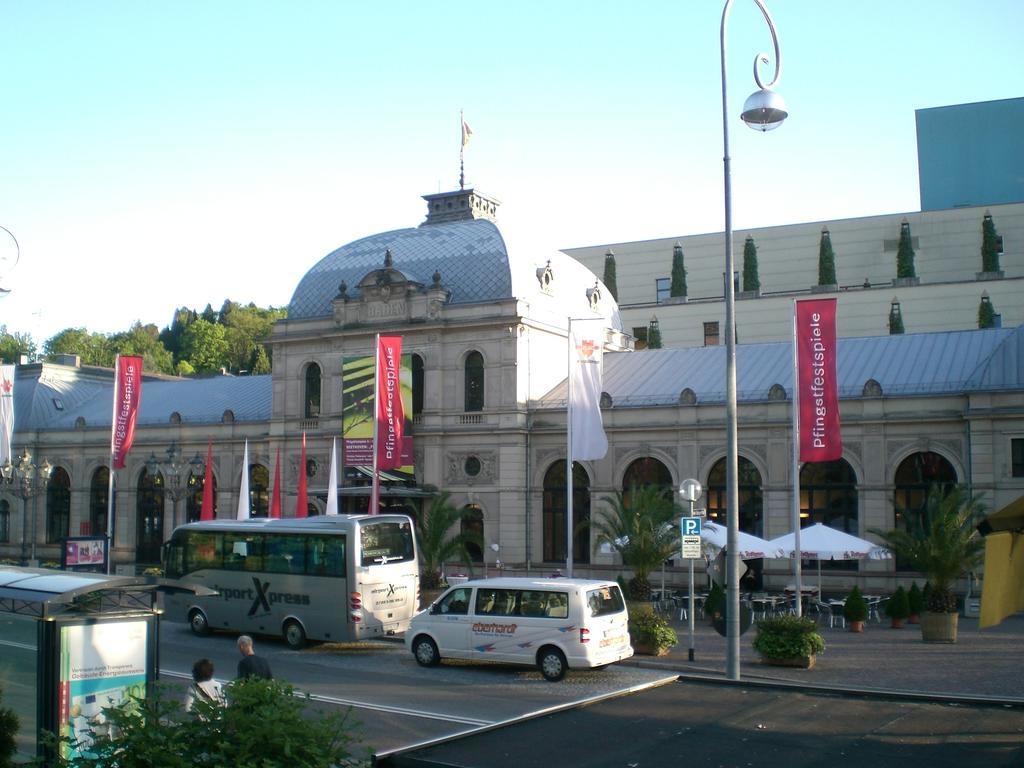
898, 608
915, 602
855, 610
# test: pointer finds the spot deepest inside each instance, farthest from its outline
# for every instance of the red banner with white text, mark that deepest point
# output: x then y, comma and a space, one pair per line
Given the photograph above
127, 396
389, 408
818, 389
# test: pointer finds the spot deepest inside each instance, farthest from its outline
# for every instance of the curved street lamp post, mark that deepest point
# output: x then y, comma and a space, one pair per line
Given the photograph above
179, 474
764, 110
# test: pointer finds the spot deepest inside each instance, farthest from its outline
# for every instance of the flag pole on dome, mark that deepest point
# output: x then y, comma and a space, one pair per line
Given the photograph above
243, 489
206, 513
275, 495
302, 497
332, 481
466, 133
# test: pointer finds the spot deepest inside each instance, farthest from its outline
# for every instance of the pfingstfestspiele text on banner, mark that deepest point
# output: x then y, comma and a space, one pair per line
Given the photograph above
817, 387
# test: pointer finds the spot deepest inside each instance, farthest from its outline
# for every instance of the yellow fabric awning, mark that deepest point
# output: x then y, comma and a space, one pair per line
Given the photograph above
1003, 592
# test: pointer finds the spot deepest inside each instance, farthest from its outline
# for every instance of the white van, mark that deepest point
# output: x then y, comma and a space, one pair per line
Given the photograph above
554, 624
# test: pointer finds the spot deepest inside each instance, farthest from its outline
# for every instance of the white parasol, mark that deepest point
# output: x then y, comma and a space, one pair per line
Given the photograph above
749, 547
820, 542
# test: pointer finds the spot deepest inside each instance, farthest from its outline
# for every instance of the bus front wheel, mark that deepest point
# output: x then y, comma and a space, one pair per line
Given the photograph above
425, 651
294, 635
197, 620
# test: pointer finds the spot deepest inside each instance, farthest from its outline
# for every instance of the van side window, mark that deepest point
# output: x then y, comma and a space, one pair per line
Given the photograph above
496, 602
456, 601
552, 605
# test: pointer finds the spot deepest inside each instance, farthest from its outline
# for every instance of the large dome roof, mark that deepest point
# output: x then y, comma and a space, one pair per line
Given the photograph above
474, 267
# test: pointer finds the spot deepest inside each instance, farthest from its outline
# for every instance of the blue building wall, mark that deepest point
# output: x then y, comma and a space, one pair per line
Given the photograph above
971, 154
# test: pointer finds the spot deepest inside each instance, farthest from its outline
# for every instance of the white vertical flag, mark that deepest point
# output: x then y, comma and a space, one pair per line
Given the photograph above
6, 412
586, 366
332, 481
243, 491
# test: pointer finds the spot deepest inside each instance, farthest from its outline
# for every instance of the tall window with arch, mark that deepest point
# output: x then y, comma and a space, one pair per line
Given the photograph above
311, 391
259, 490
58, 505
646, 471
149, 517
828, 495
915, 477
194, 499
5, 520
472, 525
750, 500
554, 514
99, 500
474, 381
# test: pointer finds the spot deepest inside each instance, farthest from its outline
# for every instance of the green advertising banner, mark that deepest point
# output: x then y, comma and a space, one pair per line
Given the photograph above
357, 416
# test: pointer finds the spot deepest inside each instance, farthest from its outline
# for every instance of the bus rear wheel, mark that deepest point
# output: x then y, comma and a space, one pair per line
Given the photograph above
199, 623
425, 651
294, 635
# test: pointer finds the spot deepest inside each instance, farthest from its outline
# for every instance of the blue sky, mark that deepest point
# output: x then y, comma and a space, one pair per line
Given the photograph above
195, 151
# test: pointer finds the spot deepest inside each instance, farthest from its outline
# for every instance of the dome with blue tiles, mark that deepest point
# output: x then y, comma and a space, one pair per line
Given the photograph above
460, 247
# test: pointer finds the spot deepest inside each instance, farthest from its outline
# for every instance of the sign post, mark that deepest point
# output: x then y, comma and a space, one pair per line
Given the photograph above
689, 529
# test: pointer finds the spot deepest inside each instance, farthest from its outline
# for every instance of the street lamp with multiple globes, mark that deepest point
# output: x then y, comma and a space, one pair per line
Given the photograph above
179, 474
763, 111
25, 480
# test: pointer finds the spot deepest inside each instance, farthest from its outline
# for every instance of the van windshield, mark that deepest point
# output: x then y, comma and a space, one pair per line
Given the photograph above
605, 601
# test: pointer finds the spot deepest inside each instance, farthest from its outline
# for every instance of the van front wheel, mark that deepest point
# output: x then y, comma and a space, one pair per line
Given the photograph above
551, 662
425, 651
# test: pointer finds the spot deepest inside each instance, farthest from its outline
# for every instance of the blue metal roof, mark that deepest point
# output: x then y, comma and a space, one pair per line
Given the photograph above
948, 362
470, 255
59, 397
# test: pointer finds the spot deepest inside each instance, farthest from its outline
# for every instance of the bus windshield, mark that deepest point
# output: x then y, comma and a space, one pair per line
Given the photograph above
386, 542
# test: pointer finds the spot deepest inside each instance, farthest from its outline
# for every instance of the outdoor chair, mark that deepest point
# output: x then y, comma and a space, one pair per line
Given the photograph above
834, 614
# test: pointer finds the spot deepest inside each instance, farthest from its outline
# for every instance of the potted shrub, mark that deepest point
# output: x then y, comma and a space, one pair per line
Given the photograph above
789, 641
855, 610
714, 603
941, 543
897, 608
649, 632
915, 602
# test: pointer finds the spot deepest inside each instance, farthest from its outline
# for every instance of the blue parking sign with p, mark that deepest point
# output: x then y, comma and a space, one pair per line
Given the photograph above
691, 526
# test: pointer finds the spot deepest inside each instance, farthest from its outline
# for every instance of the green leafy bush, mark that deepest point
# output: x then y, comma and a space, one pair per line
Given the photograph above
856, 607
264, 724
649, 628
714, 603
898, 606
8, 732
788, 637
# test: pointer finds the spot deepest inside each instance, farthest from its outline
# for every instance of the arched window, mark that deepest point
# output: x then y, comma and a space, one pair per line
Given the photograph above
828, 495
194, 499
915, 477
5, 520
311, 397
474, 382
417, 385
751, 499
554, 513
58, 505
259, 490
149, 517
646, 471
473, 523
99, 499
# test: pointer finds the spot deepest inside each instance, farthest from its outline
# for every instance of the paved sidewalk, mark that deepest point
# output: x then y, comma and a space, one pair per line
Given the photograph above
982, 663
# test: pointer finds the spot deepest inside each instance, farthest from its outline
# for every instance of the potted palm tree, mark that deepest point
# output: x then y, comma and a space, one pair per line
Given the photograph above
437, 544
788, 641
897, 608
855, 610
941, 543
639, 525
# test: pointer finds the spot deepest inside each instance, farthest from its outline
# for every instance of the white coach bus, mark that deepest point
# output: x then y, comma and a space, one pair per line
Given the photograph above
336, 578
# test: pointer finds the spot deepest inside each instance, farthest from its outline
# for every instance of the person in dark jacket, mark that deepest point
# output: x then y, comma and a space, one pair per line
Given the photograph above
250, 664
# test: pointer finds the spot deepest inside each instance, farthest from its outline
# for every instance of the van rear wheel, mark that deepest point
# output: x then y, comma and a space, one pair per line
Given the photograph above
425, 651
552, 664
200, 625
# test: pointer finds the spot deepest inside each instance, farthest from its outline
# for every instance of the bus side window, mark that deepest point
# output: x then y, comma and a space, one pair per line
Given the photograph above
203, 550
284, 553
326, 556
